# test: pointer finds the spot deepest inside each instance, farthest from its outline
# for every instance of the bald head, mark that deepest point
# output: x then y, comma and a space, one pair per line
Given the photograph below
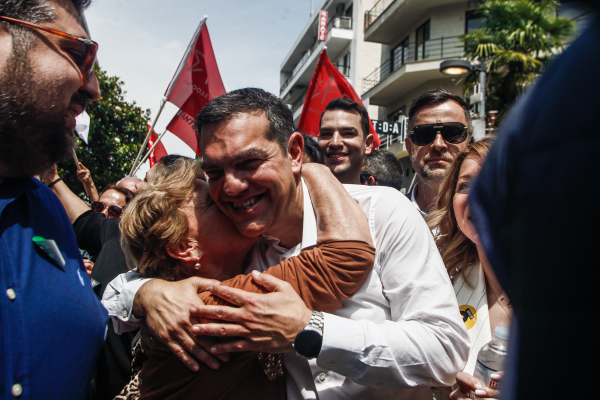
136, 185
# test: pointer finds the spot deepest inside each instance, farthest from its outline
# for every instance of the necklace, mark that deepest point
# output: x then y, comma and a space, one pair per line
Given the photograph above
500, 300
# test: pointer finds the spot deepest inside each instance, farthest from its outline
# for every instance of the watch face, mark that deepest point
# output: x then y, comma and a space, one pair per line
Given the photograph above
308, 343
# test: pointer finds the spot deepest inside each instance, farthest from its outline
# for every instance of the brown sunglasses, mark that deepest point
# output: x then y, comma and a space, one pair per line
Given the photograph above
84, 56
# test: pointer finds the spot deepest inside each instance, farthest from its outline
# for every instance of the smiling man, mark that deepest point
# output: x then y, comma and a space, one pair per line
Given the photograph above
439, 125
344, 138
396, 337
52, 323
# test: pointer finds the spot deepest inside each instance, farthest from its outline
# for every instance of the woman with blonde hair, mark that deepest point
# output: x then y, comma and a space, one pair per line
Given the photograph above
482, 302
174, 230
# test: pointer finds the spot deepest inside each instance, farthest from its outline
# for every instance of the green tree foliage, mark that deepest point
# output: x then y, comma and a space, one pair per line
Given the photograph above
517, 41
117, 130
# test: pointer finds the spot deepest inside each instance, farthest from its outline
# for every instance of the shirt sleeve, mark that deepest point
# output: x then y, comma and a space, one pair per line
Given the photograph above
423, 342
324, 276
93, 230
118, 300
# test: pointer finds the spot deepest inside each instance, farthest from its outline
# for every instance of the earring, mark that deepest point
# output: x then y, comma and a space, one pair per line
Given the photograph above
198, 265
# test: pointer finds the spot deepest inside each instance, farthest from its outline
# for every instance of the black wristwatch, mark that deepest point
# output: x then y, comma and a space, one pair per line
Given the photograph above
309, 340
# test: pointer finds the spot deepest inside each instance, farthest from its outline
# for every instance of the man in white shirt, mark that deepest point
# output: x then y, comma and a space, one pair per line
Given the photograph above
400, 334
433, 145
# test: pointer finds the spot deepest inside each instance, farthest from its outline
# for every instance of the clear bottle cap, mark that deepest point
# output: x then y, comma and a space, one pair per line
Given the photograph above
501, 333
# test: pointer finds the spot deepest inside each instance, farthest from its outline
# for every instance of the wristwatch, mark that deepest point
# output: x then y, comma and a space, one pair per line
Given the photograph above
309, 340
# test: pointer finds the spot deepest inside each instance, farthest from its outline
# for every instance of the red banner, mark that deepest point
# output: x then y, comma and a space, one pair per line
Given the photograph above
182, 125
158, 152
197, 80
327, 84
323, 25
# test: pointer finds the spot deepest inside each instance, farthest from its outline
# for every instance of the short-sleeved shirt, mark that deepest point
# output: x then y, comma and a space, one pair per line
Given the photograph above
52, 324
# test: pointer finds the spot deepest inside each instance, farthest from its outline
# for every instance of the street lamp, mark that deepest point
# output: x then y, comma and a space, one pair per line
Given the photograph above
455, 67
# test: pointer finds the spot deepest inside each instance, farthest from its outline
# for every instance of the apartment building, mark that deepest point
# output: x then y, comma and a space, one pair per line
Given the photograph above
346, 49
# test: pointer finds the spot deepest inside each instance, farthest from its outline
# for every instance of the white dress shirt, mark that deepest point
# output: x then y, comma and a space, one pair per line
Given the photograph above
398, 335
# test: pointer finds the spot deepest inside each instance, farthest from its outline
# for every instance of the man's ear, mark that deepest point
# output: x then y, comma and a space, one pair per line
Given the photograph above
295, 149
371, 181
369, 144
186, 250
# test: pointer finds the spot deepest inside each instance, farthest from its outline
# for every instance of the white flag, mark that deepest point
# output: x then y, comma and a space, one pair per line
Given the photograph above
82, 126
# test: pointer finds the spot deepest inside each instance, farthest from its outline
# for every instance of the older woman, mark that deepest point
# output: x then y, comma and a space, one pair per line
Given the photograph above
174, 230
483, 304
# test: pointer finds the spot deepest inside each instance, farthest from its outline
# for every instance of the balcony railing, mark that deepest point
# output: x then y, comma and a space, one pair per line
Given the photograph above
375, 12
433, 49
335, 22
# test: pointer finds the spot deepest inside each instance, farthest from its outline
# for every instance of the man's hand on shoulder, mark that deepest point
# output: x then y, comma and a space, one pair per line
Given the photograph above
165, 306
266, 322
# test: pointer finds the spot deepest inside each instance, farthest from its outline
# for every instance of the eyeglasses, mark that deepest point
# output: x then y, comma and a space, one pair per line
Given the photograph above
452, 132
114, 212
84, 54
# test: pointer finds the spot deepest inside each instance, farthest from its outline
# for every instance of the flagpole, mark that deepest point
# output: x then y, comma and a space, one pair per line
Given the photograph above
133, 166
75, 159
149, 152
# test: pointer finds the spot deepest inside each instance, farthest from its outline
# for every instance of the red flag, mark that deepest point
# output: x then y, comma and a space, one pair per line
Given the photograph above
158, 152
327, 84
182, 125
197, 80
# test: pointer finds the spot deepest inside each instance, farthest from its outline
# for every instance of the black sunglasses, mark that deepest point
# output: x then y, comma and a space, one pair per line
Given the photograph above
114, 212
452, 132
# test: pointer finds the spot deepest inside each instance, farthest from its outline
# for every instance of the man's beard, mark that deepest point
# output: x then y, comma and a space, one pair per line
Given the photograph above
33, 133
438, 174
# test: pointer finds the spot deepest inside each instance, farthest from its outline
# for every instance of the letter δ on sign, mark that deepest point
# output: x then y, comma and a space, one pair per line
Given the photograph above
323, 25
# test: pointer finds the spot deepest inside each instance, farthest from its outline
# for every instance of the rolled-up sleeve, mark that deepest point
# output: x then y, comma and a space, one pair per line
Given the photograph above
424, 341
118, 300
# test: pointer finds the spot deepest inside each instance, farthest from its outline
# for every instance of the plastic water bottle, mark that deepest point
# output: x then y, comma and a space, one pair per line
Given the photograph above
491, 357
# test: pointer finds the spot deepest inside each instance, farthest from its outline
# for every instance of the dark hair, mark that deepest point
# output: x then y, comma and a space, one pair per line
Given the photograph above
34, 11
129, 195
312, 149
384, 167
435, 97
169, 160
251, 101
344, 104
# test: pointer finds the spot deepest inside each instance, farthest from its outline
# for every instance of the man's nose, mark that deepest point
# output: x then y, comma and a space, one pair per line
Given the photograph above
92, 87
439, 142
336, 139
234, 184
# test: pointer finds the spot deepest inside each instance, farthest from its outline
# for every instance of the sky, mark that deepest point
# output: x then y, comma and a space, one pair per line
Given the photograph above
143, 41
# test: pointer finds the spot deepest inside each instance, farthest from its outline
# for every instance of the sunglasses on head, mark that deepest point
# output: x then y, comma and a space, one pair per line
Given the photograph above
114, 212
83, 51
452, 132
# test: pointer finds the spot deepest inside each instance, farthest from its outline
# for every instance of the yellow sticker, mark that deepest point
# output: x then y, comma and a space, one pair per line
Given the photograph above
469, 315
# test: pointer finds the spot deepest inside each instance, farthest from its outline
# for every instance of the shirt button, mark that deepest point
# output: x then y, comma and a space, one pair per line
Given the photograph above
322, 376
329, 365
124, 313
17, 390
11, 294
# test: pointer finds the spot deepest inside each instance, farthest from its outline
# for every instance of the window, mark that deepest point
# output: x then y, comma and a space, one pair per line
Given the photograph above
349, 11
472, 21
400, 55
422, 39
344, 65
395, 116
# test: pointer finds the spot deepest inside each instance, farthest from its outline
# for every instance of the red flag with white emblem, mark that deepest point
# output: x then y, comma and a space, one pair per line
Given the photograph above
158, 152
182, 125
197, 80
327, 84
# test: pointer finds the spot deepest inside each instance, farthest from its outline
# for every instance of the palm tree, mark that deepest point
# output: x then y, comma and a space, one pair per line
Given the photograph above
517, 41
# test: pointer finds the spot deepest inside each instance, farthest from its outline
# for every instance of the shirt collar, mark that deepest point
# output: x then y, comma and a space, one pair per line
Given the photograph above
413, 200
12, 189
309, 227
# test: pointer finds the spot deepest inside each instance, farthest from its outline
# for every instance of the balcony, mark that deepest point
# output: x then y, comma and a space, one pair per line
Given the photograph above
382, 21
339, 34
410, 67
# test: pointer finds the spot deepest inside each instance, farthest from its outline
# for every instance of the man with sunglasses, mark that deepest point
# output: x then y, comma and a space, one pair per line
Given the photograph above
52, 325
439, 128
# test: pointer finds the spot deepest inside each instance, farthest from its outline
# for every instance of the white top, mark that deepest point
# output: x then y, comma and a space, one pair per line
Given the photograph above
413, 200
472, 302
398, 335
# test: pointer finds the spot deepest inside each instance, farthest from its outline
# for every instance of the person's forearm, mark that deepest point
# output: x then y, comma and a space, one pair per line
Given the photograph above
339, 217
91, 191
73, 205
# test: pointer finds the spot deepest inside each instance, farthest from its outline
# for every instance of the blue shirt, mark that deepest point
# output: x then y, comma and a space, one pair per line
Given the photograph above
52, 324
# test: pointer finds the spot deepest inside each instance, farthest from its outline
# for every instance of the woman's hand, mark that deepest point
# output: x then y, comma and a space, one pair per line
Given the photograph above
89, 265
467, 384
84, 176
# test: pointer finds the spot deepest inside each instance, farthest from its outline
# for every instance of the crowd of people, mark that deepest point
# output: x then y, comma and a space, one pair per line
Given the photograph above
281, 265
